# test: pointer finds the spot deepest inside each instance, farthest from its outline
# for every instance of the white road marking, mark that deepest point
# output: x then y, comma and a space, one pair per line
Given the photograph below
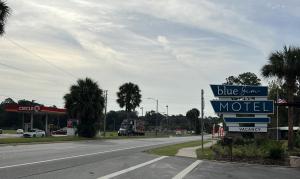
131, 168
187, 170
77, 156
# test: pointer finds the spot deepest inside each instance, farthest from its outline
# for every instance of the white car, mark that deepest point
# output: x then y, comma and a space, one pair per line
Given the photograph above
20, 131
34, 133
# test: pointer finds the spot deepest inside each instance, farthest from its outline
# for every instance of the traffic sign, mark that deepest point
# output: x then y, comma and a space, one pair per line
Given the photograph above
243, 107
247, 129
239, 91
247, 119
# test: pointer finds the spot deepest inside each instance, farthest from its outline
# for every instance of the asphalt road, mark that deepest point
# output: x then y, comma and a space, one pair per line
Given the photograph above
120, 159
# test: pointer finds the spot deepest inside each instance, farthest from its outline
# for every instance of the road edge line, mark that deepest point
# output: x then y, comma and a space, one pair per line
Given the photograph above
75, 156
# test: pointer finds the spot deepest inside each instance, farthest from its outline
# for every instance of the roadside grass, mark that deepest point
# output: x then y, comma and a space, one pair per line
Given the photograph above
114, 135
9, 132
108, 135
206, 154
171, 150
40, 139
262, 151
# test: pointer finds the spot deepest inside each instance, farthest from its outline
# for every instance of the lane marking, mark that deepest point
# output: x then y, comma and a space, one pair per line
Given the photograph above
84, 155
131, 168
187, 170
76, 156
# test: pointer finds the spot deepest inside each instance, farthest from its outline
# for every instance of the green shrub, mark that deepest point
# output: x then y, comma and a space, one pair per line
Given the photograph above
274, 149
261, 141
238, 141
248, 135
297, 140
248, 151
87, 130
219, 150
237, 152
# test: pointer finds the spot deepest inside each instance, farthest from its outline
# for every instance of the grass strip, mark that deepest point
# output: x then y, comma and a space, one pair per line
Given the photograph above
40, 139
171, 150
9, 131
206, 154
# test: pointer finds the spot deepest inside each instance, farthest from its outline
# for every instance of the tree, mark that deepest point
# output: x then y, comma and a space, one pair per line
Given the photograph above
193, 116
4, 12
25, 102
8, 101
85, 102
129, 96
151, 117
247, 78
284, 65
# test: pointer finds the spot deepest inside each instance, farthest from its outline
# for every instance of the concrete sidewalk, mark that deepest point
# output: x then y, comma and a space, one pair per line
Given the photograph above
191, 151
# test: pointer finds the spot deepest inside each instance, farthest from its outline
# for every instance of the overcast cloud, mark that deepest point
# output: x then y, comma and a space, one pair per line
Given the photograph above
172, 48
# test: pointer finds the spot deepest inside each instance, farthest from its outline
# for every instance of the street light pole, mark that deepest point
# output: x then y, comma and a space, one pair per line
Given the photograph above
104, 122
156, 114
277, 116
156, 117
202, 115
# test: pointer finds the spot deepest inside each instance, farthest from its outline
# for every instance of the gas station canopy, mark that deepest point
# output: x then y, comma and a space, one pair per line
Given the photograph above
35, 108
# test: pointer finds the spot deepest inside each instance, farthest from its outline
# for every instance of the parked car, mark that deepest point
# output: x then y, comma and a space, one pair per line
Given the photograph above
34, 133
20, 131
1, 131
60, 132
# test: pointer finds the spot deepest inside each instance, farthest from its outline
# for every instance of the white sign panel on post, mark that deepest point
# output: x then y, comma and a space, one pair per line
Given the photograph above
247, 129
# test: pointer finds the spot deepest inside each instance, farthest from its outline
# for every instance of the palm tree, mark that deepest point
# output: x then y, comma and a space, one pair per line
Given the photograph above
129, 96
4, 12
85, 102
285, 66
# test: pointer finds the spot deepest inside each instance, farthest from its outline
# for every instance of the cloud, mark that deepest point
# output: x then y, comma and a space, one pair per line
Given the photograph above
163, 40
171, 48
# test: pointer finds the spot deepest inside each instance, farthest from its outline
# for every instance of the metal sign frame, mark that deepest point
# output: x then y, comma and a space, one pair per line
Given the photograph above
263, 90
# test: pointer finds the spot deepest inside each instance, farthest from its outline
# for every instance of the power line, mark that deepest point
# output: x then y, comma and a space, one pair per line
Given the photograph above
12, 67
41, 58
19, 70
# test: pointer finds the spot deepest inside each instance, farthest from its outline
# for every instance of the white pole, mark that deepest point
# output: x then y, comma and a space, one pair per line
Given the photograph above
202, 116
277, 116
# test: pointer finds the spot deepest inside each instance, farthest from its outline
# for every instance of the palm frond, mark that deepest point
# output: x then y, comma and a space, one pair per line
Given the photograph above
4, 13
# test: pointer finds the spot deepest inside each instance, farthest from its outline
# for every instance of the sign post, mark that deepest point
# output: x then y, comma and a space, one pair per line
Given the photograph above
235, 101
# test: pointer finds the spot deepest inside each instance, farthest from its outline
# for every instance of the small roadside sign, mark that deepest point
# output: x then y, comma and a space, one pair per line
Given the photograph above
247, 129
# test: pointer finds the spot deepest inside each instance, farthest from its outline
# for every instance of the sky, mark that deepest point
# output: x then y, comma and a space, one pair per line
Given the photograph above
172, 48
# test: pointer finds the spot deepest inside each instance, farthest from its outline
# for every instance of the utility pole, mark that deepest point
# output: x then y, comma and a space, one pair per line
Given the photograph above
31, 115
202, 115
277, 115
156, 114
168, 127
104, 122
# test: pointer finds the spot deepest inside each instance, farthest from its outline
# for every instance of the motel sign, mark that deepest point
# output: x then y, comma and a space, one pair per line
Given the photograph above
235, 100
243, 107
